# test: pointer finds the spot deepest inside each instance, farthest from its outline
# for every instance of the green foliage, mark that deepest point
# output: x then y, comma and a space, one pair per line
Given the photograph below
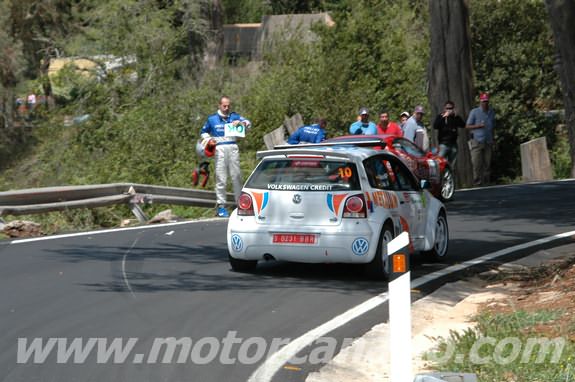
144, 129
244, 11
513, 58
560, 158
251, 11
374, 56
460, 352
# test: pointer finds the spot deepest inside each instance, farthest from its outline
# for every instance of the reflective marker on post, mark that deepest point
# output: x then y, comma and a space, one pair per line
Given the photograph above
398, 263
399, 309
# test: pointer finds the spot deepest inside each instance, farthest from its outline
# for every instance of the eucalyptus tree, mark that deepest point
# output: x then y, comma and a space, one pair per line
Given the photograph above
561, 16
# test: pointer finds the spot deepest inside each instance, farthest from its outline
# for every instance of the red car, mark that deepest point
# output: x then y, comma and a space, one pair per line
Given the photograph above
424, 165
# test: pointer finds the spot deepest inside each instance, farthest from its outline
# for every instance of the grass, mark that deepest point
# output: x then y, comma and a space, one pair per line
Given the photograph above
502, 347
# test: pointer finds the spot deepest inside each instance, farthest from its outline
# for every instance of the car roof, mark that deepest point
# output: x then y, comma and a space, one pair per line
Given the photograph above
361, 138
328, 149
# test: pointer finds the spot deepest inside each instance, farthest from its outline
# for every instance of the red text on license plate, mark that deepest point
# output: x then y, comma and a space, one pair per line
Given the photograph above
293, 238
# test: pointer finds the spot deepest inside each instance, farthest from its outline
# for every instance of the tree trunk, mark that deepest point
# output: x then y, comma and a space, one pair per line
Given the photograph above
450, 72
215, 41
561, 15
8, 108
45, 78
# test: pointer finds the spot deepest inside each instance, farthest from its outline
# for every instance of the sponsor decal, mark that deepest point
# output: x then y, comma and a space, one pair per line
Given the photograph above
405, 228
261, 199
369, 202
334, 202
299, 187
406, 197
237, 243
360, 246
384, 199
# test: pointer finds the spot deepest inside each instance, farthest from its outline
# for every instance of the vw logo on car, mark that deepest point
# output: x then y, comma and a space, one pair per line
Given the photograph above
297, 199
237, 243
360, 246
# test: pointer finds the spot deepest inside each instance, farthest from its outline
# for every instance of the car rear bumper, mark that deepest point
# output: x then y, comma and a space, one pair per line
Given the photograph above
353, 241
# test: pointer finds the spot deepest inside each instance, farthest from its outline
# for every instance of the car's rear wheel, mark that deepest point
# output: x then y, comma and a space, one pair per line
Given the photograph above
239, 265
378, 268
441, 244
447, 185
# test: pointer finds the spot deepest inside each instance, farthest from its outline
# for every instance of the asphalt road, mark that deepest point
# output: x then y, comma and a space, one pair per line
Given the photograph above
174, 281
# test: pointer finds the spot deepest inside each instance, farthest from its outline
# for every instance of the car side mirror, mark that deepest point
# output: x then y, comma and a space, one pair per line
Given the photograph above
425, 184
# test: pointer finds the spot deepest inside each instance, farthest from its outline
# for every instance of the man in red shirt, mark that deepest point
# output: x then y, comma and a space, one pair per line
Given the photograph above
385, 126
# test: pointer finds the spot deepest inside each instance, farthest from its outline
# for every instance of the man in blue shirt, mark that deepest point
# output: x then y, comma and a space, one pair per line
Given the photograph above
364, 125
227, 156
482, 122
309, 134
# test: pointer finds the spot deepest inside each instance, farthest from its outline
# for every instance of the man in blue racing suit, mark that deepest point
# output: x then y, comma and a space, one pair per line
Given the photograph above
227, 156
309, 134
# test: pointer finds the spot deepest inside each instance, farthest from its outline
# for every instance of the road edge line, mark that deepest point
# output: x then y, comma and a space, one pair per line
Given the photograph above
266, 371
111, 230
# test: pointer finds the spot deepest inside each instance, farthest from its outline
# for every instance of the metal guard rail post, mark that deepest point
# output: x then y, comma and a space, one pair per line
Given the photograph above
48, 199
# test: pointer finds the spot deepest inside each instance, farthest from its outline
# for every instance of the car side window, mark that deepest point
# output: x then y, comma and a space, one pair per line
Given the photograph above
380, 174
405, 179
408, 147
388, 173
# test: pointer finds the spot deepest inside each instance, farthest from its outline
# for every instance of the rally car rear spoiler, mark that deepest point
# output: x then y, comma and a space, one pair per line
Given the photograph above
351, 141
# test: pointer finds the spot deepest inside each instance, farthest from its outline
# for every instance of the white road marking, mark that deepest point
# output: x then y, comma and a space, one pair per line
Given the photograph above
111, 230
124, 276
169, 233
266, 371
513, 184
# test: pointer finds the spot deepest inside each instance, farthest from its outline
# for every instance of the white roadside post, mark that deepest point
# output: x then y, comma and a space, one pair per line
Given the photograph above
399, 309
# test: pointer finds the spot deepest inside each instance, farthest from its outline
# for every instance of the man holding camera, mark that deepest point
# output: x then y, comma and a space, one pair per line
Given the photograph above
446, 124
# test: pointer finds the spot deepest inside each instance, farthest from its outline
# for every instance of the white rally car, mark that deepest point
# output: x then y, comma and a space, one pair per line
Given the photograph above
333, 204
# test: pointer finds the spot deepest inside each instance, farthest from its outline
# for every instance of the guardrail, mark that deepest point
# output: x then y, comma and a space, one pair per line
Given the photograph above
47, 199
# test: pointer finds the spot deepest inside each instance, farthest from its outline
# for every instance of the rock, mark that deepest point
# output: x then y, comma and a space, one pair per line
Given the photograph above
165, 216
128, 222
22, 228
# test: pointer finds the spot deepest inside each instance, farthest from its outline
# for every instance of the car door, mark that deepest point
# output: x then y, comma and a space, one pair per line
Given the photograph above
414, 200
389, 173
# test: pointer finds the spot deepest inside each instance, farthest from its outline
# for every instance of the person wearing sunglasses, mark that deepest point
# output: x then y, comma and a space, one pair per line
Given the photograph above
447, 124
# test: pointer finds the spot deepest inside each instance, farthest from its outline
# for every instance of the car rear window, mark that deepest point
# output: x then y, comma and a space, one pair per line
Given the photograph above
304, 175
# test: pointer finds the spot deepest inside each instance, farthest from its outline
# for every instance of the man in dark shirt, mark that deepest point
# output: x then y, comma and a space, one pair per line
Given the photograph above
446, 125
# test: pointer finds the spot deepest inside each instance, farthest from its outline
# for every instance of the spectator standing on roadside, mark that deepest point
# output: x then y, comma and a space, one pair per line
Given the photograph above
364, 125
222, 127
309, 134
385, 126
414, 129
31, 101
403, 117
481, 121
446, 124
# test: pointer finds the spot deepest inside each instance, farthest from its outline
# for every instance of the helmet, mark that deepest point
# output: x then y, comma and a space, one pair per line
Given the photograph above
206, 148
210, 148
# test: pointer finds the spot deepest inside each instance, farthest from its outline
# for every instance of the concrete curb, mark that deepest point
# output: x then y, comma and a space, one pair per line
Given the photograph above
366, 359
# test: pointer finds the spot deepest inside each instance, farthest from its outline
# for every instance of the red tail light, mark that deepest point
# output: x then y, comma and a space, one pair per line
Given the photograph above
355, 207
245, 205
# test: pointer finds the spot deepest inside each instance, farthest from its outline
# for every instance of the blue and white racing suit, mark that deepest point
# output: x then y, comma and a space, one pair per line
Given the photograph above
227, 157
308, 134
